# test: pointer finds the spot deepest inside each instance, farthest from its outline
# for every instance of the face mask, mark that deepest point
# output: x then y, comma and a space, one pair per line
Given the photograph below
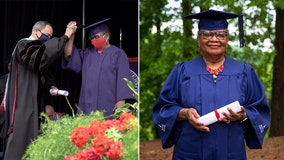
99, 44
43, 38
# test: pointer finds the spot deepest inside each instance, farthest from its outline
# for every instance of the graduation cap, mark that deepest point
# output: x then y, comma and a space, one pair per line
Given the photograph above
217, 20
98, 27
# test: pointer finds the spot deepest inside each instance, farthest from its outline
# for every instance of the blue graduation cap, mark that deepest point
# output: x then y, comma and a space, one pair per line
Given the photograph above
217, 20
98, 27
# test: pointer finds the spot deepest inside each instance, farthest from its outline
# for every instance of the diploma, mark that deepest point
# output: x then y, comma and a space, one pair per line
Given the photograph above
216, 115
58, 92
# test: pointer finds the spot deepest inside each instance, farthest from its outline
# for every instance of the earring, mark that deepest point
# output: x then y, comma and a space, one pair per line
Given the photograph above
198, 50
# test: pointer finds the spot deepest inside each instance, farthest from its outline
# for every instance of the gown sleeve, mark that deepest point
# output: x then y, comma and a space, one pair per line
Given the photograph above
29, 53
36, 55
75, 61
257, 110
123, 71
49, 74
167, 107
54, 49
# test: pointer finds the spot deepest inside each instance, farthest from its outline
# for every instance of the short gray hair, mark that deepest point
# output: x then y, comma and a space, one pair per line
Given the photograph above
40, 25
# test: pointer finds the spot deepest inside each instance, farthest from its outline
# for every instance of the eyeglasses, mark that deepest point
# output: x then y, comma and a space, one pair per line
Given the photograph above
48, 35
220, 35
97, 36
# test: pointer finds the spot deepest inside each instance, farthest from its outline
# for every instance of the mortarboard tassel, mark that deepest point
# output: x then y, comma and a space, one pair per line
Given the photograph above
241, 31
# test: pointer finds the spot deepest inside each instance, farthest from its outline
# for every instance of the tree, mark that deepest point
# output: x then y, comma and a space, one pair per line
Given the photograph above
277, 103
151, 68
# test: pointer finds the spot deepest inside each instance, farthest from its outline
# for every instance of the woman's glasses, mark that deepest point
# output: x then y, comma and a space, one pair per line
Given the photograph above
97, 36
220, 35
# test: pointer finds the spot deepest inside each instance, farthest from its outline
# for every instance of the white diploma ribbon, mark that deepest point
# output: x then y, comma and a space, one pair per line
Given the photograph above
58, 92
216, 115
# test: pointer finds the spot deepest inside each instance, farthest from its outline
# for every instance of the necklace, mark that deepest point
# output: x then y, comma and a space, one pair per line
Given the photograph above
216, 71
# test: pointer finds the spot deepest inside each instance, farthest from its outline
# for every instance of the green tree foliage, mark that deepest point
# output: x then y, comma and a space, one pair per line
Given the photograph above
162, 49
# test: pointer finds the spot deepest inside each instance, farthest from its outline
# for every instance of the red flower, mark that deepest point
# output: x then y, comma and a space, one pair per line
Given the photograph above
97, 129
102, 147
70, 157
125, 120
101, 144
115, 150
80, 136
88, 154
111, 123
125, 117
108, 147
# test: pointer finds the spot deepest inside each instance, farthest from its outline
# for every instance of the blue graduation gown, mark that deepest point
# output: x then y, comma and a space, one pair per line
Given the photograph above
102, 77
190, 85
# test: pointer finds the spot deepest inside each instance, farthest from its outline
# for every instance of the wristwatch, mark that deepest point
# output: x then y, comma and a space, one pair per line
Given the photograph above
243, 120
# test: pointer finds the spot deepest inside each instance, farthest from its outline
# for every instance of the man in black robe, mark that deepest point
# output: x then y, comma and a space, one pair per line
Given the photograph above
30, 57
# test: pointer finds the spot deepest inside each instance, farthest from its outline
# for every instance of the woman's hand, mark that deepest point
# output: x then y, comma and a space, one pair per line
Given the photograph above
119, 104
234, 116
71, 29
191, 115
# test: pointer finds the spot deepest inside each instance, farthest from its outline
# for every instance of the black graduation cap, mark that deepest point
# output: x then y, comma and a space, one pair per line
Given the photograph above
98, 27
217, 20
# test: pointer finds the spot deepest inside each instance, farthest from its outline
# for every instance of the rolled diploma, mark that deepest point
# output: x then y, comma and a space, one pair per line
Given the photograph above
212, 117
59, 92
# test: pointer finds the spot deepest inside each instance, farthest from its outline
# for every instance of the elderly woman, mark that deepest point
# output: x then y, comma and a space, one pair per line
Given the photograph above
103, 68
203, 85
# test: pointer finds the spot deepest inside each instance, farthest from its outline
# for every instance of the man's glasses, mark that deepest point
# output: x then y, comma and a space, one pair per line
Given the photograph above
48, 35
220, 35
97, 36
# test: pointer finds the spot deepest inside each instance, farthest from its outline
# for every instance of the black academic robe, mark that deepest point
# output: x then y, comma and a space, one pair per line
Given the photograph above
48, 78
3, 80
21, 119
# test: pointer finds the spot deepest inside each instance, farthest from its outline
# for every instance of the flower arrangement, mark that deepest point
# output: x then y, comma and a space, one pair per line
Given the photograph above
104, 138
89, 137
